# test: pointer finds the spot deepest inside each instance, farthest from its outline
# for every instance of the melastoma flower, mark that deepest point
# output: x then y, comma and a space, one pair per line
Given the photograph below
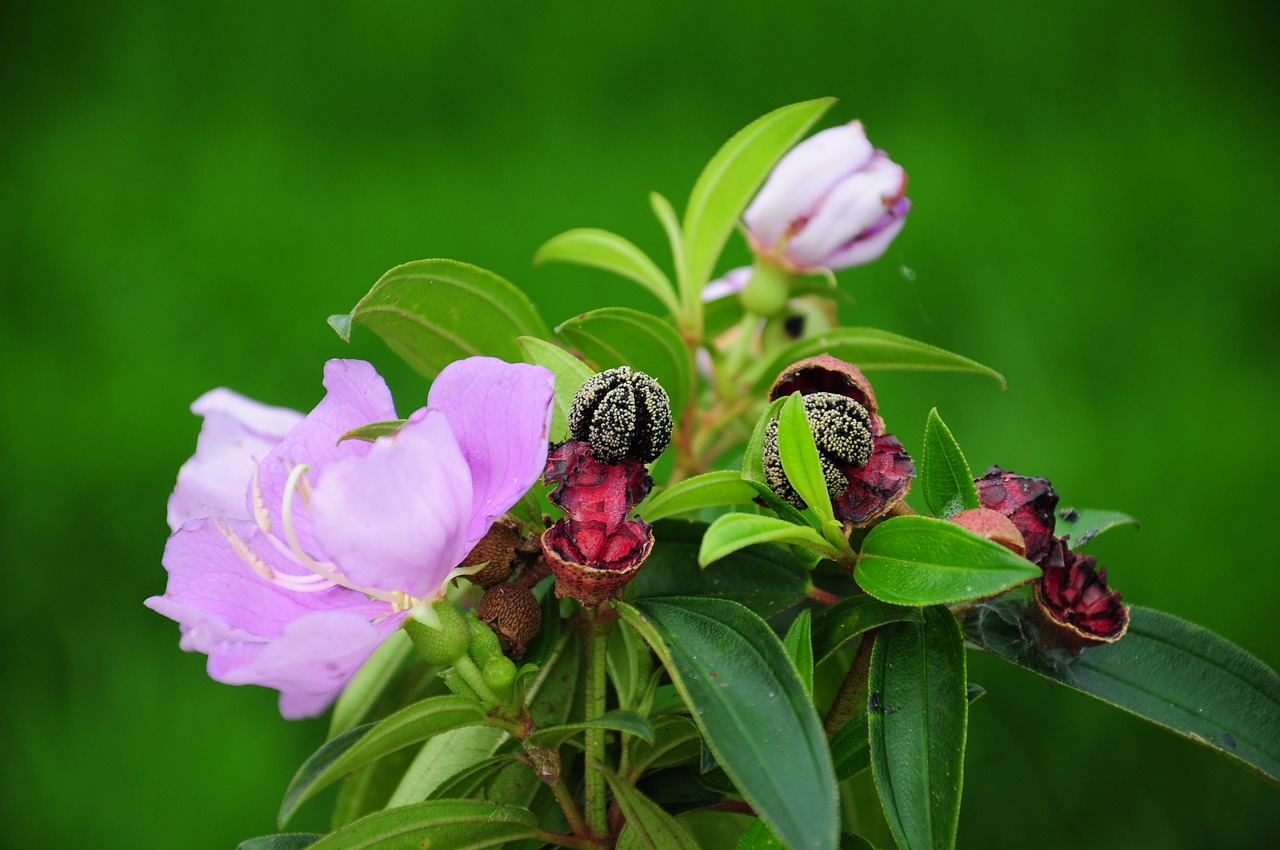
832, 202
334, 541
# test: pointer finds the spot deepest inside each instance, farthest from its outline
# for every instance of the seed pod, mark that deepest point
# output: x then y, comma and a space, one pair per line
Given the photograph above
622, 413
1074, 608
498, 548
842, 431
513, 613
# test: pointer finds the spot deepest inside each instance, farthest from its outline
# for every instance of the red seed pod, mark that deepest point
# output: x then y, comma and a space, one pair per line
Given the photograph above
1073, 605
1026, 500
592, 564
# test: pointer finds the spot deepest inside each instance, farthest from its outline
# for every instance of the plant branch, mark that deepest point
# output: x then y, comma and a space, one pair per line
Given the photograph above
596, 625
853, 688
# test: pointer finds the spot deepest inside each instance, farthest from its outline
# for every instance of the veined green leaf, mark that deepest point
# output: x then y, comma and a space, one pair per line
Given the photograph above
618, 336
799, 646
799, 454
732, 532
919, 560
443, 757
765, 578
432, 312
648, 825
751, 708
708, 490
364, 744
1084, 524
285, 841
1166, 670
870, 349
442, 824
589, 246
753, 455
618, 721
370, 682
570, 374
629, 665
849, 749
944, 473
373, 430
675, 741
848, 618
730, 179
917, 715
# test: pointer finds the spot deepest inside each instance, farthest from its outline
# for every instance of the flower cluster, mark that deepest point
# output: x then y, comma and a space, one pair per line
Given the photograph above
296, 550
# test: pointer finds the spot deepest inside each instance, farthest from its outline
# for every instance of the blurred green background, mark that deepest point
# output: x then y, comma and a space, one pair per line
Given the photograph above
190, 189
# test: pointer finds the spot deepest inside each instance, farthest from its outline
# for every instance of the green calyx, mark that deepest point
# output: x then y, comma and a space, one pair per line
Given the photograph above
767, 291
439, 632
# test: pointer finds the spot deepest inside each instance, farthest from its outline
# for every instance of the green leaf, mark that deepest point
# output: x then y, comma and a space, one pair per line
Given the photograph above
286, 841
919, 560
648, 825
944, 473
850, 752
849, 841
848, 618
917, 713
439, 824
432, 312
373, 430
618, 336
870, 349
753, 455
364, 744
731, 178
443, 757
799, 646
759, 837
709, 490
618, 721
361, 695
800, 461
675, 741
629, 665
601, 249
570, 374
1084, 524
1166, 670
765, 578
751, 708
550, 694
732, 532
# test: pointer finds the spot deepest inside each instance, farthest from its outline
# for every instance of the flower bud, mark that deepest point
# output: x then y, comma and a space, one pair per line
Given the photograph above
512, 614
842, 431
994, 526
499, 674
832, 202
622, 413
497, 549
484, 643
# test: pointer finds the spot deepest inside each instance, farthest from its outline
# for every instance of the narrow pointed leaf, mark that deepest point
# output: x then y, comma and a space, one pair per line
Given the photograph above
439, 824
358, 698
650, 827
709, 490
944, 473
919, 560
1166, 670
570, 374
848, 618
618, 721
675, 741
751, 708
1084, 524
732, 177
629, 665
364, 744
917, 713
799, 646
800, 461
732, 532
432, 312
617, 336
373, 430
443, 757
753, 455
763, 578
589, 246
871, 349
850, 752
284, 841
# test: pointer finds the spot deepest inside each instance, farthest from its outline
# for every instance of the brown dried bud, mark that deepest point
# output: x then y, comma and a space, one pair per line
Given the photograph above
993, 525
622, 413
498, 549
841, 430
1073, 605
513, 613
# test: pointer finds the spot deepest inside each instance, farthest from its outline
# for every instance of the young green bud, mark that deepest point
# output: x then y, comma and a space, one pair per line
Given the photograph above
438, 631
455, 682
484, 643
500, 675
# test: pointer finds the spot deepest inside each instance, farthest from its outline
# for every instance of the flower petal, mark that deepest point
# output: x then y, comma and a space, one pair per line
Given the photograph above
356, 396
396, 517
874, 241
802, 178
237, 431
501, 415
857, 203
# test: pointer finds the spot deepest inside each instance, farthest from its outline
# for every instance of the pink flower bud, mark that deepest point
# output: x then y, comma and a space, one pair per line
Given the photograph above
832, 202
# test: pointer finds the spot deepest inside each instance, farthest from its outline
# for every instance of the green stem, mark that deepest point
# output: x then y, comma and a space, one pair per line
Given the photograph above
739, 349
566, 840
596, 633
853, 688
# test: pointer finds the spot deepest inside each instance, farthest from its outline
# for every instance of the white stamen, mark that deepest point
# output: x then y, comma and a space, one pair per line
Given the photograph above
260, 513
242, 549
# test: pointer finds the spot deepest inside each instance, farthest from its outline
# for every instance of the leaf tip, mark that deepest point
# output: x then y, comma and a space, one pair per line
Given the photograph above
341, 323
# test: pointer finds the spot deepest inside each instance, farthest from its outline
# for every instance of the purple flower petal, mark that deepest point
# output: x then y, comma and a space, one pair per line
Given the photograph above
803, 178
871, 244
356, 396
856, 203
237, 431
501, 415
730, 283
396, 517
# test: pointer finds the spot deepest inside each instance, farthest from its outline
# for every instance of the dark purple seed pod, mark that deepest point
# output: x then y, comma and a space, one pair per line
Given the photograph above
622, 413
842, 431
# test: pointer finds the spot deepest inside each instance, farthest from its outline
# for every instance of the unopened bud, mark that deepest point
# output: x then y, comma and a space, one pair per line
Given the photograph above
512, 614
497, 549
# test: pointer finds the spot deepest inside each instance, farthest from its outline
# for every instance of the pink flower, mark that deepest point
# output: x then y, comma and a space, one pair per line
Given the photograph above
832, 202
333, 542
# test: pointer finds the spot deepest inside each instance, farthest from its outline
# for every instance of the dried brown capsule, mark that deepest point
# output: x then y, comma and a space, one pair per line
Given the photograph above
498, 548
592, 563
513, 613
1073, 605
842, 431
622, 413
